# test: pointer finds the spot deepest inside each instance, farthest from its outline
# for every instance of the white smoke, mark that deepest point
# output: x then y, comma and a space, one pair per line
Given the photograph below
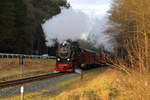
98, 35
70, 24
74, 24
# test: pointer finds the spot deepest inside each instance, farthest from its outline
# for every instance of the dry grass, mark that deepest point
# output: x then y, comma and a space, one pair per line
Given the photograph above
96, 89
111, 85
52, 91
134, 86
108, 84
10, 69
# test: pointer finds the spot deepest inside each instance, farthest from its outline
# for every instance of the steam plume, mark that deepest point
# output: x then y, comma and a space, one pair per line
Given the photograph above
70, 24
74, 24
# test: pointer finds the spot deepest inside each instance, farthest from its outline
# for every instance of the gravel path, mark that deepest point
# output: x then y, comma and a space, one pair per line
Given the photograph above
35, 86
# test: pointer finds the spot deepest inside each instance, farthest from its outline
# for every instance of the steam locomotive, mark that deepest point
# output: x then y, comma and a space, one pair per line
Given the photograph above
69, 57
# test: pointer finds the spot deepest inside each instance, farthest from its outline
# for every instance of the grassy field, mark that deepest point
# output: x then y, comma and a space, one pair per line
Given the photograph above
110, 85
10, 69
54, 91
103, 84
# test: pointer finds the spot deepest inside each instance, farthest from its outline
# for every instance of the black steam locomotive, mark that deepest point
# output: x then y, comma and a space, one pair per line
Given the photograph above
69, 57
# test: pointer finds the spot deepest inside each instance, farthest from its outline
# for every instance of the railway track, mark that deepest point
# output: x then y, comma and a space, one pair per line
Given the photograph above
28, 80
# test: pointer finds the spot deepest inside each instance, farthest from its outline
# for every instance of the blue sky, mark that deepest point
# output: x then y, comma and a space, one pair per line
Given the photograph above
96, 8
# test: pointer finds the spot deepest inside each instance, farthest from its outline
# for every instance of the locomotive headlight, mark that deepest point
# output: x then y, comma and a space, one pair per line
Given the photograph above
68, 59
58, 59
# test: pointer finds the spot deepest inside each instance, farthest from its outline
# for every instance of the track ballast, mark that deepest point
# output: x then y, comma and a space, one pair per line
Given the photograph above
28, 80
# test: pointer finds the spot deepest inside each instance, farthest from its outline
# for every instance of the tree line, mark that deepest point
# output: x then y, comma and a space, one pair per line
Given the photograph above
130, 25
20, 24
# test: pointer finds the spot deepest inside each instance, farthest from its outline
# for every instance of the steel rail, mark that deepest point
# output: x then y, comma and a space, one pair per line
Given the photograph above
28, 80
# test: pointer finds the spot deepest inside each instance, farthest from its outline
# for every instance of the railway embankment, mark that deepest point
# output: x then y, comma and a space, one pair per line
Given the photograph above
34, 87
97, 84
45, 89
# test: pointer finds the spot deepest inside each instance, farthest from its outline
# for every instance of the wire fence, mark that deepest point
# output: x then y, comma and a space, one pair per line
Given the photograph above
5, 55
